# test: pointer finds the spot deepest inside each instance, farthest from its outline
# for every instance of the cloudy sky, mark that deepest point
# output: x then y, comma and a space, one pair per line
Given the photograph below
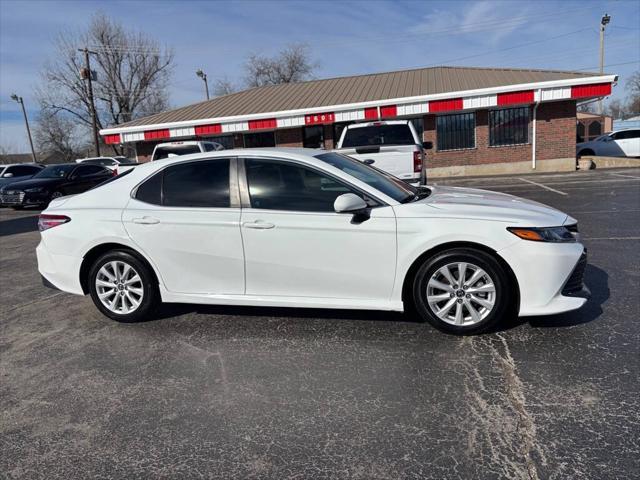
345, 38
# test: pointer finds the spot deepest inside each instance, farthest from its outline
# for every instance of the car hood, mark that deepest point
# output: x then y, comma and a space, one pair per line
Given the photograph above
460, 202
32, 183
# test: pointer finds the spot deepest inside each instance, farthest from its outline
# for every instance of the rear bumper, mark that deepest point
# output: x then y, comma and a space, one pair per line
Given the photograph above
62, 272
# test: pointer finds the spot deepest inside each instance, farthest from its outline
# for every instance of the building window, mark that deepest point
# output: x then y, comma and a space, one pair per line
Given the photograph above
595, 130
418, 124
509, 126
259, 140
456, 132
225, 140
313, 137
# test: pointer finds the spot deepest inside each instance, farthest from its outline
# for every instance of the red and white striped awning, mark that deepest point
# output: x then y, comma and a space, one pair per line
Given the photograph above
512, 95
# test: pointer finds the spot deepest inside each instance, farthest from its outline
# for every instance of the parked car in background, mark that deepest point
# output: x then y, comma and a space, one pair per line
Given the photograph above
309, 228
622, 143
173, 149
115, 164
392, 146
17, 172
53, 182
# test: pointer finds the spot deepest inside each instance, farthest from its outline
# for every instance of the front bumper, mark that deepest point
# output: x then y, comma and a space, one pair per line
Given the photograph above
17, 198
549, 276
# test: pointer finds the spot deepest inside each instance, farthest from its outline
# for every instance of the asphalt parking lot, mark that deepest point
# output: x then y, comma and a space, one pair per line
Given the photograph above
221, 392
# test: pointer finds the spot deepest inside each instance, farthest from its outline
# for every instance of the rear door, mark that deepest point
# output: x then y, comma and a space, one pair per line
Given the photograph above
186, 219
85, 177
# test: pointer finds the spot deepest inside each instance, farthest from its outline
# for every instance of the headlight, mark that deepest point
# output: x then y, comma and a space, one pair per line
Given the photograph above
548, 234
34, 190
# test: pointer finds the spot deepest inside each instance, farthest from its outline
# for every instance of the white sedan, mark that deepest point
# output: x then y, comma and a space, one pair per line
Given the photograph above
623, 143
308, 228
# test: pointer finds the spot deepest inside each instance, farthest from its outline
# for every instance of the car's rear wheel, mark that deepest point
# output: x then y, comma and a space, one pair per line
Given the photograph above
123, 287
462, 291
586, 152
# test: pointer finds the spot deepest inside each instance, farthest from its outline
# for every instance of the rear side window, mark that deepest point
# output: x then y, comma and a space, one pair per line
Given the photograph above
378, 135
100, 161
196, 184
89, 171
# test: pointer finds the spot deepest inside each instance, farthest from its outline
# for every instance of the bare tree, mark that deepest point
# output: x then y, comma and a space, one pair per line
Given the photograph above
293, 64
58, 134
223, 86
132, 74
633, 101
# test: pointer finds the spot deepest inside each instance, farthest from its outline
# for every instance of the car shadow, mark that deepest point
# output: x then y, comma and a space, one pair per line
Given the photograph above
169, 310
597, 280
19, 225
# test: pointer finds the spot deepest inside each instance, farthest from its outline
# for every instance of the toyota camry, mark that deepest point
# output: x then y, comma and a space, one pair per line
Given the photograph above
309, 228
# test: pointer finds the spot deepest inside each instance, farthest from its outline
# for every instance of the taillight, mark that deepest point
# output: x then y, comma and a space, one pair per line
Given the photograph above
115, 172
417, 161
45, 222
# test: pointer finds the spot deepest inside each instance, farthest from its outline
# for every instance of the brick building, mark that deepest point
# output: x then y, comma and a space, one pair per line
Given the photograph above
480, 120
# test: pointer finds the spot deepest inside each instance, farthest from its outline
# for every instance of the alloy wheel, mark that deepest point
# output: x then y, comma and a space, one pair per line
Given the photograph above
119, 287
461, 293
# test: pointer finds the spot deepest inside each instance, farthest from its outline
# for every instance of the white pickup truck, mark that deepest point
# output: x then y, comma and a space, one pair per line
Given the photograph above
172, 149
393, 146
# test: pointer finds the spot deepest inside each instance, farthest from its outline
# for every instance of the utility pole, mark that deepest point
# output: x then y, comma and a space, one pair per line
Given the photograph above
88, 74
26, 122
603, 23
203, 76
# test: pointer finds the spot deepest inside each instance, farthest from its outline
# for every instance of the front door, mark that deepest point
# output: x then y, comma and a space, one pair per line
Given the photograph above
184, 220
296, 245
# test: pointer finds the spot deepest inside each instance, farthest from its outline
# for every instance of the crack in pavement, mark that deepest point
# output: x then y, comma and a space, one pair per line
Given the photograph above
502, 434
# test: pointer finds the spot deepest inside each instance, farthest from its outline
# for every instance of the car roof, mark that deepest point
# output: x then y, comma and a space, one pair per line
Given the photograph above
27, 164
377, 122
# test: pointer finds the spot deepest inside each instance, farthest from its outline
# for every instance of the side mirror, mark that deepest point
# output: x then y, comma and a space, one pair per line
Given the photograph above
349, 203
369, 161
352, 203
427, 145
7, 175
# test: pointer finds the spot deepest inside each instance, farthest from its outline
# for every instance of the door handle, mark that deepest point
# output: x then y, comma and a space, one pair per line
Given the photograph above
258, 225
145, 220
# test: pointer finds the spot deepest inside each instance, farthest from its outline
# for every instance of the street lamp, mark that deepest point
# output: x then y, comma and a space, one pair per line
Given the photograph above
26, 122
604, 21
203, 76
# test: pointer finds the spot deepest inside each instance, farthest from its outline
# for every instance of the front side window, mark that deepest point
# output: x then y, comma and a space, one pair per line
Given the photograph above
86, 171
202, 184
509, 126
276, 185
55, 171
382, 181
456, 132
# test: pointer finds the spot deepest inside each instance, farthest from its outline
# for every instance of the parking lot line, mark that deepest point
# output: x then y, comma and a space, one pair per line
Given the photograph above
625, 176
543, 186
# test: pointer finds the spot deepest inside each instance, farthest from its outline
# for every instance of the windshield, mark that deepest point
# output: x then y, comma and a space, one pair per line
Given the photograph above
388, 184
55, 171
163, 152
378, 135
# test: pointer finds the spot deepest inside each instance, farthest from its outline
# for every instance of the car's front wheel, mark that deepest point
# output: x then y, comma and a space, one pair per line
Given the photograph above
462, 291
123, 287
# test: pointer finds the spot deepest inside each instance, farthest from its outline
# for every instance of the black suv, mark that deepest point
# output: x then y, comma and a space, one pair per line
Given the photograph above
51, 182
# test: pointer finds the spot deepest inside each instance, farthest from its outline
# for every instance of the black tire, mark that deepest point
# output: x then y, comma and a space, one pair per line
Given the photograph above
503, 298
586, 152
151, 295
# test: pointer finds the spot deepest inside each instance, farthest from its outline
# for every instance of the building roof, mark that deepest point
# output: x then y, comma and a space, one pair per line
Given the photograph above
355, 89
